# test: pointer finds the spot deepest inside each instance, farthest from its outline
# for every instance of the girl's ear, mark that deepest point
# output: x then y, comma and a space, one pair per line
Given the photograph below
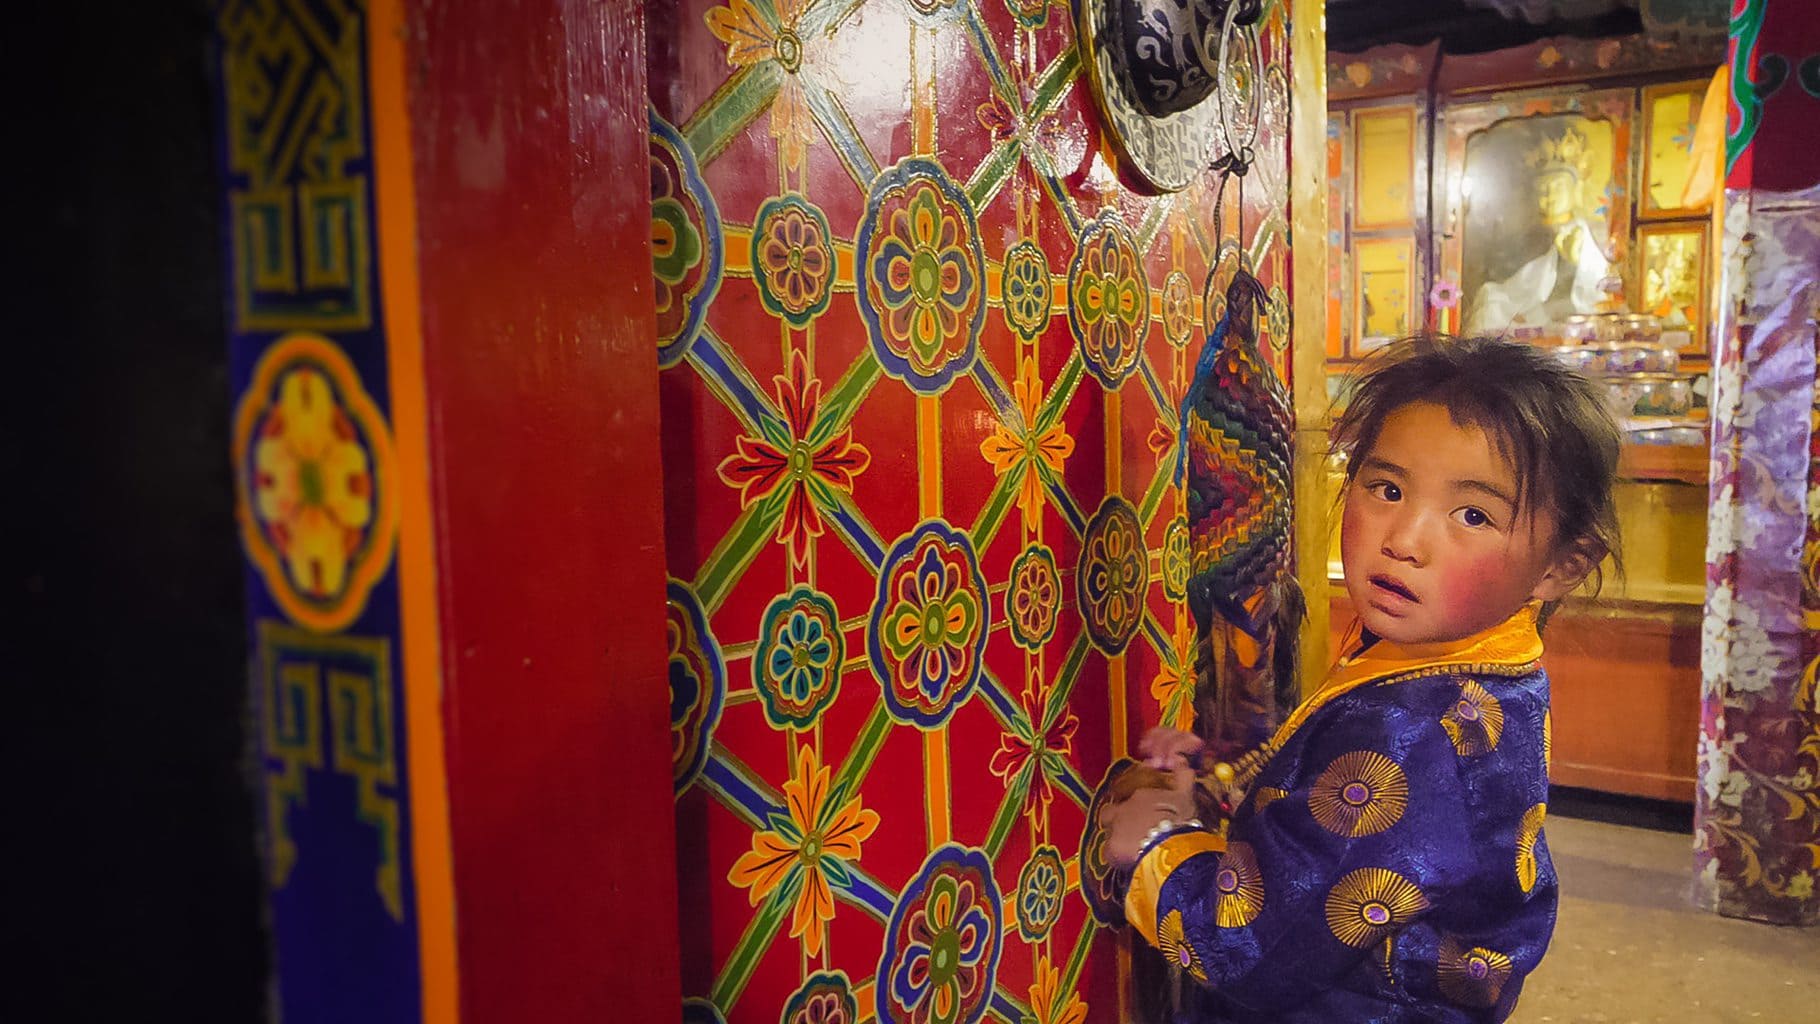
1571, 565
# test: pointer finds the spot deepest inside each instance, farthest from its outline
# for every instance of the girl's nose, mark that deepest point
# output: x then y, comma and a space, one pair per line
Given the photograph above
1404, 542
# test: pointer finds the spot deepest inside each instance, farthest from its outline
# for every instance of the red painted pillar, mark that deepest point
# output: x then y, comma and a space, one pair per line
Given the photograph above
527, 132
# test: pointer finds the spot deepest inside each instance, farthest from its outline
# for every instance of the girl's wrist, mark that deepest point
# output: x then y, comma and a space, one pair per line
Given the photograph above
1164, 829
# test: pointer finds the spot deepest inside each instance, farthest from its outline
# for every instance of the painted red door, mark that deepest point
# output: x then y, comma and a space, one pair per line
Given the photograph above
921, 353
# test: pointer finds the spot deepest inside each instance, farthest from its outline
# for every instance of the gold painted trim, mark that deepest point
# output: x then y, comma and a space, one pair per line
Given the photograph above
1308, 345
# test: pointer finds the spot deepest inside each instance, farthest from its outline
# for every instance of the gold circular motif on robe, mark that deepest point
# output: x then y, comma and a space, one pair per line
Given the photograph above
1172, 939
1265, 797
1472, 976
1241, 887
1527, 833
1475, 721
1371, 904
1360, 793
1548, 741
1386, 953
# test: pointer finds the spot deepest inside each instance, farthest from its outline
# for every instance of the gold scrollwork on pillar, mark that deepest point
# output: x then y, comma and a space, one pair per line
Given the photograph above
297, 160
359, 739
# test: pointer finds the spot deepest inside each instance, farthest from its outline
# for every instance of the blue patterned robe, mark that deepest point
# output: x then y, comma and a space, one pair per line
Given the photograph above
1387, 862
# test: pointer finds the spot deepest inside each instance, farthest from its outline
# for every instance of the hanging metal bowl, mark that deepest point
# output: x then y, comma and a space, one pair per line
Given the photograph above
1178, 83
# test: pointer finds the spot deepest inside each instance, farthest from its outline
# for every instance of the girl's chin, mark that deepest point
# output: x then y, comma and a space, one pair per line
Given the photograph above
1398, 629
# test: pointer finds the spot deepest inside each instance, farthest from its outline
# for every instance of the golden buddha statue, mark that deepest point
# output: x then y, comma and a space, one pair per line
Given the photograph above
1565, 276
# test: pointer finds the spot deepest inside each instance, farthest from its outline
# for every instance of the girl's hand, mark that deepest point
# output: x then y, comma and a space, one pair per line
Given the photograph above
1163, 748
1129, 822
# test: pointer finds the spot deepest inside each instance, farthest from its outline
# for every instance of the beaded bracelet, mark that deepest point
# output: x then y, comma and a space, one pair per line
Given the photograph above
1163, 830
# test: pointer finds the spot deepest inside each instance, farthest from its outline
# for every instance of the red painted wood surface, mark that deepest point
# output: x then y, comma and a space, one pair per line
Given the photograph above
827, 109
528, 122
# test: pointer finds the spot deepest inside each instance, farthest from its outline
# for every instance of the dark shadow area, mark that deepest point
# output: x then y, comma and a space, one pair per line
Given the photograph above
1356, 25
1617, 809
127, 652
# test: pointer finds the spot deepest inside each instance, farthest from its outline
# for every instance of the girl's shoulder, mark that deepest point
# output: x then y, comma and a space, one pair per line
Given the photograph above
1529, 683
1440, 736
1475, 711
1422, 689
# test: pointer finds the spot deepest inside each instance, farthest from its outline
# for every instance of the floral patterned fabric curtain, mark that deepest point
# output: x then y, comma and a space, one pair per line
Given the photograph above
1757, 809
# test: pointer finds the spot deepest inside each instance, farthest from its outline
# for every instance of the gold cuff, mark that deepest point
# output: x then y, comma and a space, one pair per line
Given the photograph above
1155, 867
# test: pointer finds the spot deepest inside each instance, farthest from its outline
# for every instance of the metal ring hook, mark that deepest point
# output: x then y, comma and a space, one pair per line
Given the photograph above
1238, 153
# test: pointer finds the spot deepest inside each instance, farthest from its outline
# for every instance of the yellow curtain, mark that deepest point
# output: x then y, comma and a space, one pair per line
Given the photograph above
1707, 174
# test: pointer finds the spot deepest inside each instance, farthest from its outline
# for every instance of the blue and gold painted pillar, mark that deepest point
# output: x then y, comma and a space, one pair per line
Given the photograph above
328, 459
446, 452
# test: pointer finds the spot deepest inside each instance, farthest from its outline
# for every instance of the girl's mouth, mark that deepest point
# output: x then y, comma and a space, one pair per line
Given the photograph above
1390, 585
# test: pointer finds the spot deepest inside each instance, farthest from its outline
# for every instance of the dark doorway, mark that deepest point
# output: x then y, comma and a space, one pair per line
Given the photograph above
141, 882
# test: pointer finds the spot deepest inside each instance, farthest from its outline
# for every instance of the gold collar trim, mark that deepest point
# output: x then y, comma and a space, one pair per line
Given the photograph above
1513, 643
1511, 648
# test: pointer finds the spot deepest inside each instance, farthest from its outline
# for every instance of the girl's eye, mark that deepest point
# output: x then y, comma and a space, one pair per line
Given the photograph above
1386, 490
1473, 517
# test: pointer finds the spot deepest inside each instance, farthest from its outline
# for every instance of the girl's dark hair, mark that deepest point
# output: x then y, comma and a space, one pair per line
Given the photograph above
1549, 421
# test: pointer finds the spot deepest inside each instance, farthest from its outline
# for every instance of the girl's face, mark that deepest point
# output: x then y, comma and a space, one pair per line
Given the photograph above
1434, 546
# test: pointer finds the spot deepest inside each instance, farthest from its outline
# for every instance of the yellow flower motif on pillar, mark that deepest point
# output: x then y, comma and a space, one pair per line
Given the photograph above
312, 483
1048, 1003
313, 460
1022, 449
754, 34
810, 842
1173, 687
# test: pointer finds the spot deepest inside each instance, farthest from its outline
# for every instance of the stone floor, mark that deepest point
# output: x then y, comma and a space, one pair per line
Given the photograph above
1629, 948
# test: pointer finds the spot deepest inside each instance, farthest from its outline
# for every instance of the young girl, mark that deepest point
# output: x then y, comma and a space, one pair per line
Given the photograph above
1384, 860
